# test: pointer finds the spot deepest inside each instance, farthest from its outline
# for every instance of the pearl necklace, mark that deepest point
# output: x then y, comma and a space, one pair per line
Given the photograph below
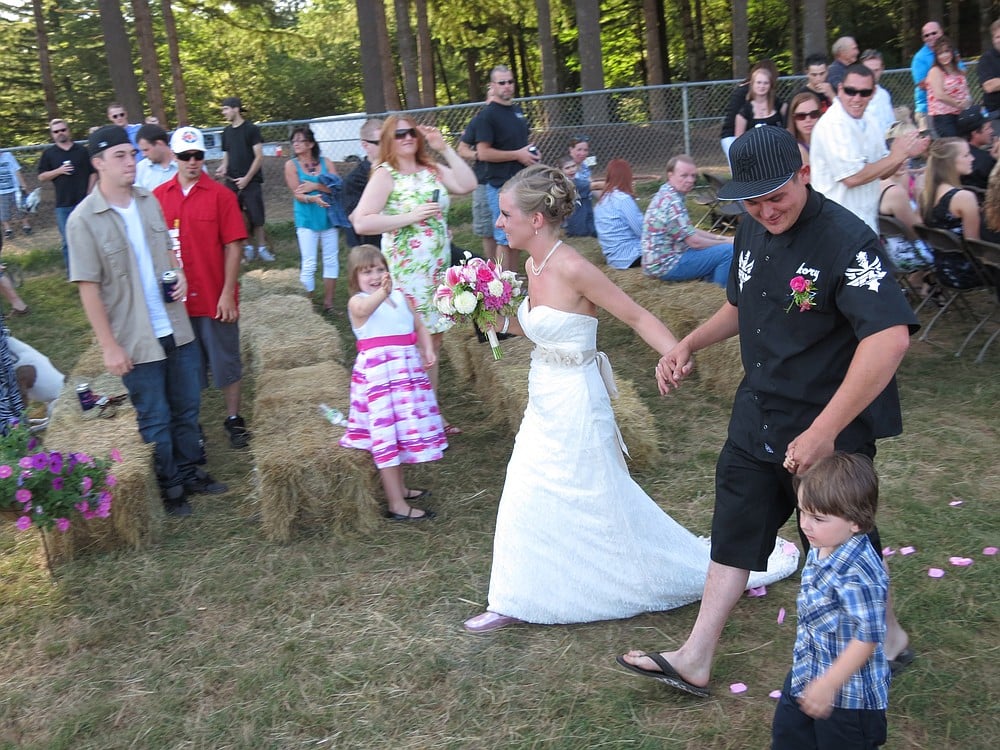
537, 271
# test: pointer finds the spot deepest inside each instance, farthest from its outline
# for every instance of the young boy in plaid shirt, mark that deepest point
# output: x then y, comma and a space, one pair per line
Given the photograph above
838, 689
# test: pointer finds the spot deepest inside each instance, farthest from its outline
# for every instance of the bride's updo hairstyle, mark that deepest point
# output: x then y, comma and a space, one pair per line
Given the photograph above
545, 190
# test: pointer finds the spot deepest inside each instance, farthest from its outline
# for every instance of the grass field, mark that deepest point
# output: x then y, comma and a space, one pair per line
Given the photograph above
218, 639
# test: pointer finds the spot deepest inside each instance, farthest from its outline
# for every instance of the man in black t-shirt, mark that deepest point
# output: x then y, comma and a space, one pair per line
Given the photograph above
242, 160
482, 217
357, 178
502, 143
988, 70
67, 166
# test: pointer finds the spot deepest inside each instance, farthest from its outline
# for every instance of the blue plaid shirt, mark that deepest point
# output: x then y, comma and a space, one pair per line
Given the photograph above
842, 599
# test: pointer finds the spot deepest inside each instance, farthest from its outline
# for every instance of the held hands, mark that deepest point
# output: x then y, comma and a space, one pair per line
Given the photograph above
817, 699
673, 367
807, 449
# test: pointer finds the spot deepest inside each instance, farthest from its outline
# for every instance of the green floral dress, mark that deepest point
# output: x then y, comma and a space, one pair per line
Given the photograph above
418, 254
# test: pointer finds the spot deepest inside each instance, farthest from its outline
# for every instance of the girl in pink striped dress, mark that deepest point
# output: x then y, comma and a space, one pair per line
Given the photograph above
394, 414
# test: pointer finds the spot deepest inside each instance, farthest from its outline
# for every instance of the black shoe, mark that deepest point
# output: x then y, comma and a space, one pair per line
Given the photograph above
203, 484
427, 516
239, 436
181, 509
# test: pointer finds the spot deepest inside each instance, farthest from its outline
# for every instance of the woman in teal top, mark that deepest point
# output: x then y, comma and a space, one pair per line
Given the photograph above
312, 224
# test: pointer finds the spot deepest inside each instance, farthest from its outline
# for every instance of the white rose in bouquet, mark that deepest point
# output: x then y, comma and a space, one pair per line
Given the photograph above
465, 303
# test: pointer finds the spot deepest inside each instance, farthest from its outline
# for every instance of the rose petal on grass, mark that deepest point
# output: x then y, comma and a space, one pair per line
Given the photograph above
737, 688
935, 573
956, 502
758, 591
781, 615
888, 552
989, 551
960, 561
774, 694
907, 550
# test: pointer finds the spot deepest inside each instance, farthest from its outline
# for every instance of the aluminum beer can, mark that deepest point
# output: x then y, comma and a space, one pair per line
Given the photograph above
87, 398
169, 280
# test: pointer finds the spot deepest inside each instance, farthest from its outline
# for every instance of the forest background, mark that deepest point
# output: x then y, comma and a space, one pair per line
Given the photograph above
298, 59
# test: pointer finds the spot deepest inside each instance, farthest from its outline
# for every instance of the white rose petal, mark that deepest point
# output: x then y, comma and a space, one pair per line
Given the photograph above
495, 288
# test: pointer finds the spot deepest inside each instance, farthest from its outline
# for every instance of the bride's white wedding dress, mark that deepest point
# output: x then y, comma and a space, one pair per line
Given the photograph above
576, 539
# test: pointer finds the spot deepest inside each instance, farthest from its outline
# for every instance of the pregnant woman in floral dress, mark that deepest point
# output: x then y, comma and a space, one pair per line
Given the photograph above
406, 201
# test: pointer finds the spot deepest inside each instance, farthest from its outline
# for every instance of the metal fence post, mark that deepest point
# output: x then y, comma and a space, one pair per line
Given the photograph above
687, 118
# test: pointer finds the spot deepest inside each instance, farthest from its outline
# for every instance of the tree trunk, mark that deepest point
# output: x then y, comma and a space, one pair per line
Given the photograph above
371, 62
908, 21
44, 61
814, 27
588, 23
794, 25
985, 19
935, 12
176, 72
119, 54
691, 32
150, 65
699, 67
388, 69
546, 45
477, 90
953, 26
425, 51
407, 54
741, 39
653, 36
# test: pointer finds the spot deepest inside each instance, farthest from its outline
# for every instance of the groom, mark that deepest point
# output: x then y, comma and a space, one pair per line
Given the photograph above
822, 326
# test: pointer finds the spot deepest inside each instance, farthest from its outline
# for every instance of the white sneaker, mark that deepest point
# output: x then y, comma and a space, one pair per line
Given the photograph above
248, 252
264, 255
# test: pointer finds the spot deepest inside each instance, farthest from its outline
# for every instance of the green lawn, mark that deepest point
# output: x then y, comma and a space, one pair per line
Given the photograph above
219, 639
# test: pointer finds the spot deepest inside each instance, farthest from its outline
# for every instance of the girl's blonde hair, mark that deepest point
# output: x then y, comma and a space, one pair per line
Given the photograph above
360, 258
942, 169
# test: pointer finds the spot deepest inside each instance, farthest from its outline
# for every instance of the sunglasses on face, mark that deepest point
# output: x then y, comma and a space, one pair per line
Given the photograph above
803, 116
863, 93
191, 156
508, 82
60, 130
403, 132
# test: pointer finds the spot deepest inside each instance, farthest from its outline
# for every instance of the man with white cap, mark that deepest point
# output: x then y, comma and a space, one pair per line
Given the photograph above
210, 230
119, 253
822, 327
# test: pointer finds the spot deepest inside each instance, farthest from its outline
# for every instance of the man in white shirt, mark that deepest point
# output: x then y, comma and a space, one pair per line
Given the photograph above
847, 154
159, 166
880, 106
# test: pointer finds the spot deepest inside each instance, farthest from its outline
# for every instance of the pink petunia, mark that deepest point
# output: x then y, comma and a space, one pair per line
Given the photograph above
111, 481
86, 484
23, 523
25, 462
5, 471
22, 495
62, 524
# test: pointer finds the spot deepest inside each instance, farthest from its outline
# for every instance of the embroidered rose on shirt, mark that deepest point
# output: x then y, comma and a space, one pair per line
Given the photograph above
867, 273
803, 294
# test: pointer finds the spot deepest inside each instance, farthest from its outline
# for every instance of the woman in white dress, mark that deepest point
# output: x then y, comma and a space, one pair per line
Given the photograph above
577, 540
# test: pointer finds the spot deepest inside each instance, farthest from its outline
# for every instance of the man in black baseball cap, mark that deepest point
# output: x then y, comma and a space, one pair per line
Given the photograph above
822, 326
978, 131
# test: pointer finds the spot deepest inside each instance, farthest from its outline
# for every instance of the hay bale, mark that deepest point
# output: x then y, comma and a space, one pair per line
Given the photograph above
278, 331
455, 346
136, 519
262, 282
503, 386
683, 307
306, 480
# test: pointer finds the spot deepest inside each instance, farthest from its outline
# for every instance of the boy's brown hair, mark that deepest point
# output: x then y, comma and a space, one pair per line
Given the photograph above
360, 258
844, 485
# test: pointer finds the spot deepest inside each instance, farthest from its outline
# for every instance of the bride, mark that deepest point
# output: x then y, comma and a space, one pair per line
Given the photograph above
577, 540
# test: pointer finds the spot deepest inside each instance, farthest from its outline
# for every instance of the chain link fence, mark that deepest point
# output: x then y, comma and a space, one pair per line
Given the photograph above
644, 125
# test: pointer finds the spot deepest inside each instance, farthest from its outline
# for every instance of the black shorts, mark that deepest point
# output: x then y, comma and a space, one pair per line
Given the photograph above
251, 200
220, 350
753, 499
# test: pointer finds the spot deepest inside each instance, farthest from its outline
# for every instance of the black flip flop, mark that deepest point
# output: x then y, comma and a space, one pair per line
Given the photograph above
668, 675
903, 659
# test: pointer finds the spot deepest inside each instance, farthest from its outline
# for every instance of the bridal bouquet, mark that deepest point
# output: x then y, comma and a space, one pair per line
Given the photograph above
479, 290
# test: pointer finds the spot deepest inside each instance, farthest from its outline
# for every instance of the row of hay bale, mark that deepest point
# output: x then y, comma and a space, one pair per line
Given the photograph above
305, 480
503, 387
682, 307
136, 519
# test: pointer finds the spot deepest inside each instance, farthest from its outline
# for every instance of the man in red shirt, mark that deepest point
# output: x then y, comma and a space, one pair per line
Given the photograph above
204, 217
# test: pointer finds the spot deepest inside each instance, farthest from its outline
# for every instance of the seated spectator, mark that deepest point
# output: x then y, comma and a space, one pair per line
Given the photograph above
618, 219
978, 132
579, 152
672, 248
762, 106
581, 221
909, 253
944, 204
736, 101
803, 112
816, 82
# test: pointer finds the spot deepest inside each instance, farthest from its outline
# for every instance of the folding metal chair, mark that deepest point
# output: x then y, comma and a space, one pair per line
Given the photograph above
945, 243
889, 227
987, 255
725, 214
